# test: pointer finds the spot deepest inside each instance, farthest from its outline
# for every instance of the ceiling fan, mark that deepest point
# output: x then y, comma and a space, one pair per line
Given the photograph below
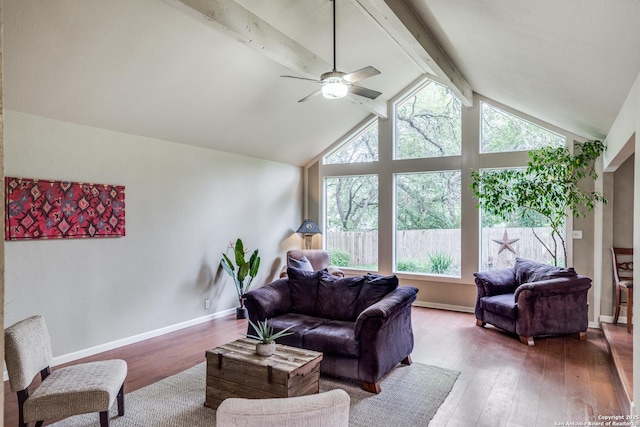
336, 84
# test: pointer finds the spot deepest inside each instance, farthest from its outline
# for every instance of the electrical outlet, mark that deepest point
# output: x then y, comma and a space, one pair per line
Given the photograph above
577, 234
207, 304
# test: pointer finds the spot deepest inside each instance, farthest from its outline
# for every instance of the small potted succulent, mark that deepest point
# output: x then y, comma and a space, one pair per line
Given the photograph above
266, 337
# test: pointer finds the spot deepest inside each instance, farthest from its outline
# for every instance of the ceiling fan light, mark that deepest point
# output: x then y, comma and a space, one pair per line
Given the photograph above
335, 90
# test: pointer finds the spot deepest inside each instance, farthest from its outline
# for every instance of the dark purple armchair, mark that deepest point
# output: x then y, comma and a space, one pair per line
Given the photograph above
362, 325
533, 299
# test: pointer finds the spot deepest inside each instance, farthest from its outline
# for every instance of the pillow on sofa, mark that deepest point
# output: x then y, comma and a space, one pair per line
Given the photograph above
375, 287
528, 271
302, 263
304, 289
337, 297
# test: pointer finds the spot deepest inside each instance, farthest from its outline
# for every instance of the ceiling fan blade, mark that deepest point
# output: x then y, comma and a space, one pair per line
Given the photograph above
363, 91
308, 97
361, 74
302, 78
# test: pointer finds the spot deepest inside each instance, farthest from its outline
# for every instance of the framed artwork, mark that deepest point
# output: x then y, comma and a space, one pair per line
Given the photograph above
41, 209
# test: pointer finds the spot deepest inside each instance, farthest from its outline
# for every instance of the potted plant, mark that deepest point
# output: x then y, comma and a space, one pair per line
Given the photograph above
266, 345
243, 272
548, 189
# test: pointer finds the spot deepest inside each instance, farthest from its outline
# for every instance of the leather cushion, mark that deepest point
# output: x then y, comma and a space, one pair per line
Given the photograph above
304, 289
335, 337
504, 305
302, 324
528, 271
337, 297
375, 287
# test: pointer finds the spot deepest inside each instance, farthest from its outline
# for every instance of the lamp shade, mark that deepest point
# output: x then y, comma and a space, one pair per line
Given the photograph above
309, 227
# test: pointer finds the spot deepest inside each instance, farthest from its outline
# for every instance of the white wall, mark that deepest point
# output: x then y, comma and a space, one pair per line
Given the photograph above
621, 143
183, 206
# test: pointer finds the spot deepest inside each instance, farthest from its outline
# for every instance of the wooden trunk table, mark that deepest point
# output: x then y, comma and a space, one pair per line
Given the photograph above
235, 370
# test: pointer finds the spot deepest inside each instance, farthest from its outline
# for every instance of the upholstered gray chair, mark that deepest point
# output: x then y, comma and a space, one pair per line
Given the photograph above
311, 260
73, 390
328, 409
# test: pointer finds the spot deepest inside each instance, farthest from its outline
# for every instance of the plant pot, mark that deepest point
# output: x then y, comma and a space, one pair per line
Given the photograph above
241, 313
263, 349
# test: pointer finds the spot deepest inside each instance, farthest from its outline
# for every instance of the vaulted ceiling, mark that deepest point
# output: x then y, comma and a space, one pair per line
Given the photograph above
207, 72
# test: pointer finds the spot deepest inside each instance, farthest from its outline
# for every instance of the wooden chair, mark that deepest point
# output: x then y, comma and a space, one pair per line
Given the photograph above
623, 277
73, 390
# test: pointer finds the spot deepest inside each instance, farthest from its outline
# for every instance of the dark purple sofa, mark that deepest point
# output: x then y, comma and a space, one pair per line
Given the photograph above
533, 299
362, 325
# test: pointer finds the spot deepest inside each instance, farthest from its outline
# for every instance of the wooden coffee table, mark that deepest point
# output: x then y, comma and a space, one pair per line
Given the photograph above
235, 370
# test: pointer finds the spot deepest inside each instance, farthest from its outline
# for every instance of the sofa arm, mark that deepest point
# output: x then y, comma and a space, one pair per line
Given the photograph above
555, 306
387, 308
496, 282
552, 287
269, 301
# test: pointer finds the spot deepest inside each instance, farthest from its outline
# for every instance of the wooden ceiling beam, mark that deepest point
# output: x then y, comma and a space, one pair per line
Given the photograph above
402, 25
246, 27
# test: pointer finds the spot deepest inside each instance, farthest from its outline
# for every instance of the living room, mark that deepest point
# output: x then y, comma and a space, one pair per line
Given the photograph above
107, 93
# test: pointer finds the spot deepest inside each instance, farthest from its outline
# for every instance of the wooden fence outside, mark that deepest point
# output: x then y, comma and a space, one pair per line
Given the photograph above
419, 244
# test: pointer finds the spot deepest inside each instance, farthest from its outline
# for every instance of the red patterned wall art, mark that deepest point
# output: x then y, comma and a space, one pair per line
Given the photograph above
41, 209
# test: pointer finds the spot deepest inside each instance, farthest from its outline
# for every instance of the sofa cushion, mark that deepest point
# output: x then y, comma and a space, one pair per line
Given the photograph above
337, 297
335, 337
528, 271
302, 263
375, 287
304, 289
301, 323
504, 305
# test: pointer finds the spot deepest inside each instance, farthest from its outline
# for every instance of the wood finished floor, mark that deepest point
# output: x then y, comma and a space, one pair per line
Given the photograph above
502, 382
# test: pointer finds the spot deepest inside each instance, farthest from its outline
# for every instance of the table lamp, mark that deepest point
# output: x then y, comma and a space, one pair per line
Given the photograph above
308, 229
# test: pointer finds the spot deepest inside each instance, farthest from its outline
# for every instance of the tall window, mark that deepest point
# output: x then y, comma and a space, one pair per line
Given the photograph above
351, 218
526, 234
361, 148
428, 223
428, 123
502, 132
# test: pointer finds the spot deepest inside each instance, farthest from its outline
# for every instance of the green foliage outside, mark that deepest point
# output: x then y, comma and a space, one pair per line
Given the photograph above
429, 124
340, 258
545, 191
438, 263
503, 132
362, 148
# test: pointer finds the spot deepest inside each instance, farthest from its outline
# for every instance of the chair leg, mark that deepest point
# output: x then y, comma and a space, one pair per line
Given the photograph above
480, 323
616, 315
121, 401
527, 340
22, 397
629, 310
104, 419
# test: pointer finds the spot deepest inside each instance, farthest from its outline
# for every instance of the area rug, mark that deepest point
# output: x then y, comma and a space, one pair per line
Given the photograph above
410, 396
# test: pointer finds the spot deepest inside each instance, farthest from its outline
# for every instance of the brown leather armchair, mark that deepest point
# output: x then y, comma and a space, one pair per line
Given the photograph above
318, 258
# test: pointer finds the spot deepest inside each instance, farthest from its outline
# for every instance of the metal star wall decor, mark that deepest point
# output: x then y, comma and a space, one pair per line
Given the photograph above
505, 243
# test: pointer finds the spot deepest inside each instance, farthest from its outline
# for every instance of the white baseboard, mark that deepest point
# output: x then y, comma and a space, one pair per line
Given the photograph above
70, 357
449, 307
